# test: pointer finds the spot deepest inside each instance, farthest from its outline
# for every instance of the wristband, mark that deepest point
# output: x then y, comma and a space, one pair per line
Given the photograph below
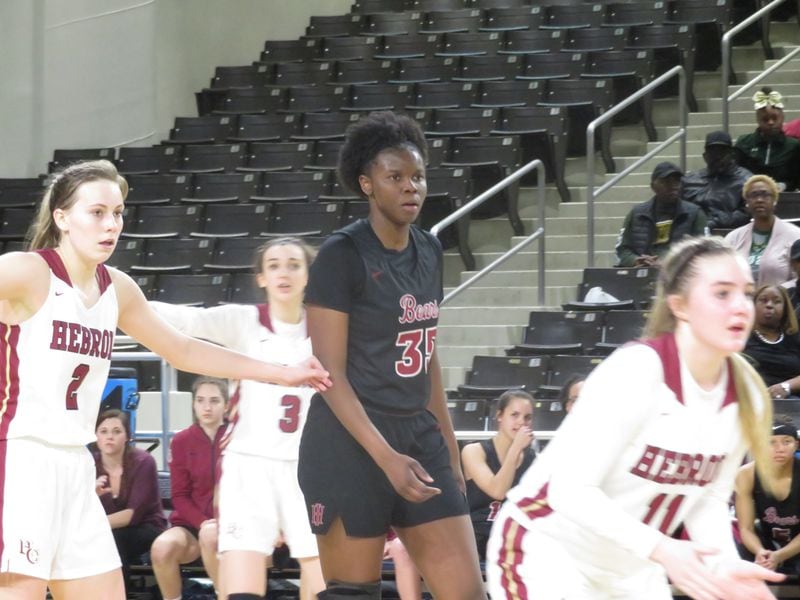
785, 386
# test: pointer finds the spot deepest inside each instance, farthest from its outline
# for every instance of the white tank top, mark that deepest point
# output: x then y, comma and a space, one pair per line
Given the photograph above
54, 365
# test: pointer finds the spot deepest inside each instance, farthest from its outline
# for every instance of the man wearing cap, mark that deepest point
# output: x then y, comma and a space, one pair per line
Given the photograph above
652, 226
768, 150
717, 189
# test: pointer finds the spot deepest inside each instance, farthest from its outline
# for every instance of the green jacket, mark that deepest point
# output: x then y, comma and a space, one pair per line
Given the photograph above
779, 158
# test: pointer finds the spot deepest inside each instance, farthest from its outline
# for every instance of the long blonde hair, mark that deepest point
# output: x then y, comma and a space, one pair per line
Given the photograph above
678, 270
60, 193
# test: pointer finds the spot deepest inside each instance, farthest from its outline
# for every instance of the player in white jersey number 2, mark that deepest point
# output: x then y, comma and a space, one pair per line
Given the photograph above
655, 441
59, 310
259, 496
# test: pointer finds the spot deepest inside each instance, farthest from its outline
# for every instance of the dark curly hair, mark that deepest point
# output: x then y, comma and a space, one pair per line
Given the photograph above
369, 136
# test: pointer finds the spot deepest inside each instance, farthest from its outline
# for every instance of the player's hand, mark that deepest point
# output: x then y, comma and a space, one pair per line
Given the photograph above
683, 562
741, 580
522, 439
409, 479
101, 485
765, 559
309, 372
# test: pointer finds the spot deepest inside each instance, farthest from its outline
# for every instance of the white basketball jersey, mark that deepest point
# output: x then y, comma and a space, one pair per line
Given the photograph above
636, 459
266, 420
54, 365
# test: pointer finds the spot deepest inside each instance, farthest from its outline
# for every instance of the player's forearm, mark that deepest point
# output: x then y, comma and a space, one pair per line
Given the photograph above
120, 518
750, 540
789, 550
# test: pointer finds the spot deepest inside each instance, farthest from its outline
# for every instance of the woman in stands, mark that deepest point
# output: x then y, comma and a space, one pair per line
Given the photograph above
774, 345
769, 523
59, 310
127, 483
379, 449
193, 466
494, 466
259, 496
766, 240
570, 392
667, 422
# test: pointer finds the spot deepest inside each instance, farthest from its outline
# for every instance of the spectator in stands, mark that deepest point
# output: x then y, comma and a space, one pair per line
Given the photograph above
193, 464
570, 392
259, 495
651, 227
378, 449
774, 346
717, 188
766, 240
594, 516
769, 523
792, 128
791, 286
768, 150
127, 483
494, 466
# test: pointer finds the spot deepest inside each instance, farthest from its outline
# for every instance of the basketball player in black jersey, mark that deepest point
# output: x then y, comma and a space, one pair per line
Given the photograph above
770, 524
494, 466
378, 449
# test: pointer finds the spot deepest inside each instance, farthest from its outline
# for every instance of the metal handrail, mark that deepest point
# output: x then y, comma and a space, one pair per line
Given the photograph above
539, 233
167, 376
726, 59
591, 193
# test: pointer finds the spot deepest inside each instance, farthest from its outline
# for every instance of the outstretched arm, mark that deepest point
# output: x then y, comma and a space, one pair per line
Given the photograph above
137, 319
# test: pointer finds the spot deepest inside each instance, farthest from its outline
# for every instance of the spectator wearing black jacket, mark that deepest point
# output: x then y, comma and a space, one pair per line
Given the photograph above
717, 188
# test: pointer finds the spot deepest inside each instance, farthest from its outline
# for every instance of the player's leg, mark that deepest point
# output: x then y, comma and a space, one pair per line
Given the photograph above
105, 586
171, 549
346, 559
243, 572
311, 580
406, 575
14, 586
445, 553
207, 538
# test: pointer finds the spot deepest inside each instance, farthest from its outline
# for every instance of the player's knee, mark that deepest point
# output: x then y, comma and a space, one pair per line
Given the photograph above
163, 551
351, 591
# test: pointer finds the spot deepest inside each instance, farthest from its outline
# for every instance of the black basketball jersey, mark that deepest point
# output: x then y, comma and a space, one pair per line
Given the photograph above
779, 519
482, 507
393, 312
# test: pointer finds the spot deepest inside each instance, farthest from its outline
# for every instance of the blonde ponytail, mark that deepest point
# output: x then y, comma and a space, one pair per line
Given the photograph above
755, 418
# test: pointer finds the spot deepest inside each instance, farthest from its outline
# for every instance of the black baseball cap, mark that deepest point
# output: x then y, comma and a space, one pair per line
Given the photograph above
665, 169
718, 138
794, 253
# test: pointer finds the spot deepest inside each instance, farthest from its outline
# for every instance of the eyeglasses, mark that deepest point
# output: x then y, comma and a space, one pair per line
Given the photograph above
759, 194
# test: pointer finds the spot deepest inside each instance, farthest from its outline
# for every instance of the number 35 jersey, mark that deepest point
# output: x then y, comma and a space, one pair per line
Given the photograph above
54, 365
266, 419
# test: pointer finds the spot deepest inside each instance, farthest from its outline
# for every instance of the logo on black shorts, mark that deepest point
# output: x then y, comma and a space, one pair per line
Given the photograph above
317, 514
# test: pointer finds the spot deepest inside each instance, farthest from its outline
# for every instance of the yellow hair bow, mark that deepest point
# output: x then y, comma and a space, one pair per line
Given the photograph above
763, 100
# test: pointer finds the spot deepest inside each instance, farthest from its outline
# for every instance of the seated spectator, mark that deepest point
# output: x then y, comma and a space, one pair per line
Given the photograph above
768, 151
774, 346
127, 483
494, 466
769, 523
570, 392
791, 286
193, 465
766, 240
717, 188
651, 227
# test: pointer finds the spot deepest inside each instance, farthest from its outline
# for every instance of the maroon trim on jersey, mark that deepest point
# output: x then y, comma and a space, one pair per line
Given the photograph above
53, 260
55, 263
510, 559
667, 351
9, 376
263, 316
537, 506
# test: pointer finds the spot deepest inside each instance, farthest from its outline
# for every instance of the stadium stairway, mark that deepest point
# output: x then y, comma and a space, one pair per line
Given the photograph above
491, 315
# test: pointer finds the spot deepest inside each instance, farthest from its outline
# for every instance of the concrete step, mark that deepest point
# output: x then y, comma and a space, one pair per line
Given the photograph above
790, 92
485, 295
603, 206
461, 356
529, 278
480, 335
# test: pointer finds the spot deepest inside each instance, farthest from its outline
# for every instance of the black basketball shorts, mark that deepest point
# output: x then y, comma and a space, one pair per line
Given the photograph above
340, 479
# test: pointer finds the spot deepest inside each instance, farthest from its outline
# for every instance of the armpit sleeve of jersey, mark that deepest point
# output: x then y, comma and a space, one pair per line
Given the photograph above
336, 276
227, 325
616, 400
709, 521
